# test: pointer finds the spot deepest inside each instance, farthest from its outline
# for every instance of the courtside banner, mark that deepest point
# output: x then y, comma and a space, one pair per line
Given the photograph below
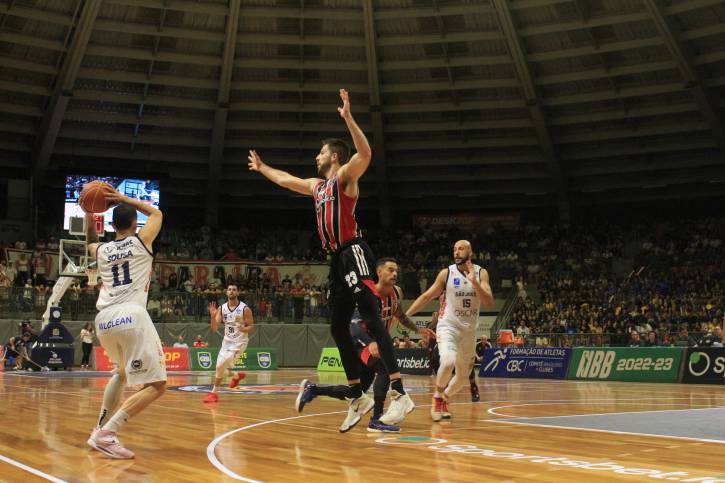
704, 365
256, 359
534, 362
413, 361
633, 364
177, 359
203, 358
330, 360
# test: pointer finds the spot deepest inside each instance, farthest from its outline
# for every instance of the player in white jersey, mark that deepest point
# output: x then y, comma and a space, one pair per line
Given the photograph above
238, 323
123, 326
466, 288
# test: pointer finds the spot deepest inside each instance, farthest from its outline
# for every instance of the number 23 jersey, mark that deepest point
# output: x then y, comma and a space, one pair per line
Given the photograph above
125, 268
231, 318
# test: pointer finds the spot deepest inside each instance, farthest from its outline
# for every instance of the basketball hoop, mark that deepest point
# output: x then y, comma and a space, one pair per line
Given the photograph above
92, 274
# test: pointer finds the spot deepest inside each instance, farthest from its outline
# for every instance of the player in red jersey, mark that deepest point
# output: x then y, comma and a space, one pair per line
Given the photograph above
352, 278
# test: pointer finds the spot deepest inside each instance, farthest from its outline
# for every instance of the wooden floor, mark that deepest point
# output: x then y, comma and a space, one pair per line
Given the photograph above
45, 421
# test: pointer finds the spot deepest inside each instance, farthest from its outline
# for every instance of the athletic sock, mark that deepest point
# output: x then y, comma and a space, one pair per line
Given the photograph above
397, 385
338, 392
117, 421
355, 390
111, 398
378, 408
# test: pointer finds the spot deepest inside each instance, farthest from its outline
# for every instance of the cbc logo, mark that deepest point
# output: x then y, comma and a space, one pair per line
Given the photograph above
514, 366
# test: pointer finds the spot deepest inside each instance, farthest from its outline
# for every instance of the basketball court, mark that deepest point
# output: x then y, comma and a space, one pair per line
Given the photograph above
521, 430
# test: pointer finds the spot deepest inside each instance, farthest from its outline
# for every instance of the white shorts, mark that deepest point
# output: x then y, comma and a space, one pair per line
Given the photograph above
229, 353
457, 341
131, 341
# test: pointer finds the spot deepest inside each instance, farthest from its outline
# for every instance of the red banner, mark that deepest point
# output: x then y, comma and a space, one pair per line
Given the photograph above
177, 359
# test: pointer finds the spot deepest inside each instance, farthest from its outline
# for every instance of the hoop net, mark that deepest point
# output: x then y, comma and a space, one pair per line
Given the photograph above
92, 274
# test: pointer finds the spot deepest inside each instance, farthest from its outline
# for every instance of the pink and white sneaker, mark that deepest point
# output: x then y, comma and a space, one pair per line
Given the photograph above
107, 443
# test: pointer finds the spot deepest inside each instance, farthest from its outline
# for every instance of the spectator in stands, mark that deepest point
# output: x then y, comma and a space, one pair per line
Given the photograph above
199, 342
74, 294
153, 307
396, 342
23, 267
651, 339
180, 343
298, 297
406, 343
635, 340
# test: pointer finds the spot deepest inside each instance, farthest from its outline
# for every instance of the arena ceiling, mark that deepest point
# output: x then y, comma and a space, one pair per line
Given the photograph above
467, 103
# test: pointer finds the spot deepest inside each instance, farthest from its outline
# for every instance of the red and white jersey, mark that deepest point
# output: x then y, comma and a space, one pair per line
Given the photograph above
125, 268
335, 211
389, 307
461, 305
233, 317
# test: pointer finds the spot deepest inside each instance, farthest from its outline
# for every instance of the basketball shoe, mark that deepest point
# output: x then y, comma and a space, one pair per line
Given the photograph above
235, 380
305, 395
436, 409
400, 406
358, 408
375, 426
107, 443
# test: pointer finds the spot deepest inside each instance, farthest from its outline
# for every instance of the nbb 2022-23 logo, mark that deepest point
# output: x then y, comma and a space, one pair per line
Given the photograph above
626, 364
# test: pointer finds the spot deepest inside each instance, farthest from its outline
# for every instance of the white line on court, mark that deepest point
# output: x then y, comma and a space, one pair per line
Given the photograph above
27, 468
609, 431
212, 446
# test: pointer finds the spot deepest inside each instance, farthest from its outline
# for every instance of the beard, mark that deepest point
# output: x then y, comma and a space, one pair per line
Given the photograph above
461, 260
324, 168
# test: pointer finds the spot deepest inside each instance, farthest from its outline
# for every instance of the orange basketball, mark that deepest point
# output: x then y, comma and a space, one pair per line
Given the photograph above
92, 198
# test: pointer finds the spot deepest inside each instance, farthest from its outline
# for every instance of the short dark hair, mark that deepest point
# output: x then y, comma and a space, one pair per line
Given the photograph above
338, 146
384, 260
123, 216
232, 285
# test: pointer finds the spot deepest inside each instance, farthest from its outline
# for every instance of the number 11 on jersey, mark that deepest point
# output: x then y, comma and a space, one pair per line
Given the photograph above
117, 282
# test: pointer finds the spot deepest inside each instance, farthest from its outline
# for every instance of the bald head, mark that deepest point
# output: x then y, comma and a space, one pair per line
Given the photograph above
462, 251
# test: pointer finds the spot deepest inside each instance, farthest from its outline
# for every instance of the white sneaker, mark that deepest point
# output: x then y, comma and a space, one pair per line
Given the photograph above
400, 406
107, 443
358, 408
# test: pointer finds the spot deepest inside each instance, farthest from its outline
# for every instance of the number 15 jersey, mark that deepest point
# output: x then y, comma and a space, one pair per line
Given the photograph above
461, 305
125, 268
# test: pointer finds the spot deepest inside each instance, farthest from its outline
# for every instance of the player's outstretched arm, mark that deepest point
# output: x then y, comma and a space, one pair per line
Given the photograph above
404, 320
281, 178
155, 218
432, 293
360, 161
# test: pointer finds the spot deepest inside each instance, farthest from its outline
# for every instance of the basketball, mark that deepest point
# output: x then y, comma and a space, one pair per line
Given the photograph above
92, 198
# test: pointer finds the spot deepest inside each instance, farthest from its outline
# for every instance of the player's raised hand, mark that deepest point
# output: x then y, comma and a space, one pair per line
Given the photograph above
470, 272
255, 162
114, 196
212, 308
345, 109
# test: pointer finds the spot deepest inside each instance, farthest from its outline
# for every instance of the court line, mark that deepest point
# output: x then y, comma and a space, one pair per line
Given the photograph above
210, 450
29, 469
493, 411
609, 431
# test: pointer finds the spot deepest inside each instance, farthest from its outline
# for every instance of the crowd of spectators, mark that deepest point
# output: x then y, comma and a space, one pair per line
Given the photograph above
674, 295
600, 278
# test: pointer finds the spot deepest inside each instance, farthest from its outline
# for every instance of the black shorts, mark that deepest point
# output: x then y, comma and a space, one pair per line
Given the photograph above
351, 267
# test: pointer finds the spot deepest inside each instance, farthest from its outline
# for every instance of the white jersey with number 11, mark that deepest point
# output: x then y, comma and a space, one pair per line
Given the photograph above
125, 268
